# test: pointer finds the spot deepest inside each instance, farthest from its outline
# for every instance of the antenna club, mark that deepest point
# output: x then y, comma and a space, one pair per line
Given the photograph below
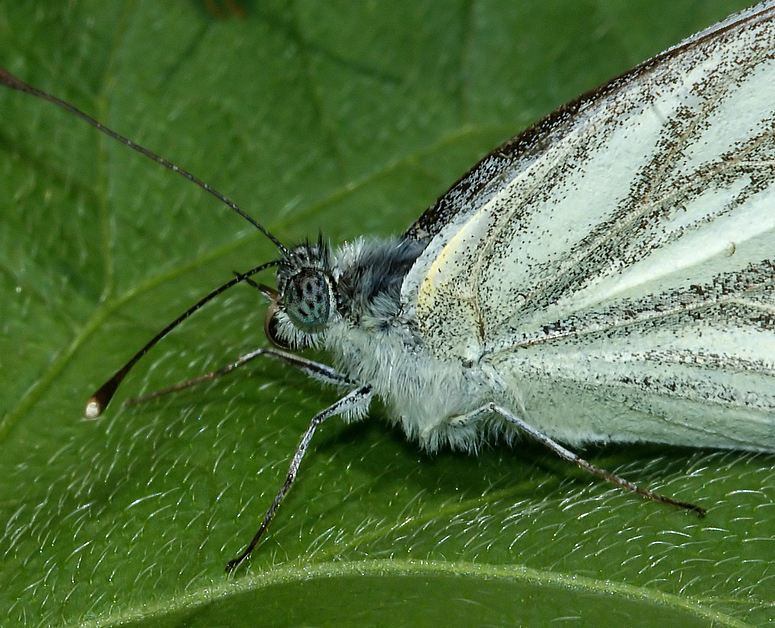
93, 409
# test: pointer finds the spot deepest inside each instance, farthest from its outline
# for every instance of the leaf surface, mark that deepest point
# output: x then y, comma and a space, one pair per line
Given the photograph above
348, 119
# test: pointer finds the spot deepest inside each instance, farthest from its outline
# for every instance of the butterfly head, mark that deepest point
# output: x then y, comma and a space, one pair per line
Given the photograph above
306, 301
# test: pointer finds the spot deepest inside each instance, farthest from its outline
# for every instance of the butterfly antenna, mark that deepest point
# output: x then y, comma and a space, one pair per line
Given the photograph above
9, 80
100, 399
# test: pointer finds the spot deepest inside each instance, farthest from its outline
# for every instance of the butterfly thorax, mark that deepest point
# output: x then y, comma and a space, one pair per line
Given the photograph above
373, 337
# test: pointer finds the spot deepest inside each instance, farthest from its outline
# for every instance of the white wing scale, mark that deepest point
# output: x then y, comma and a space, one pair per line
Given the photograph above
620, 275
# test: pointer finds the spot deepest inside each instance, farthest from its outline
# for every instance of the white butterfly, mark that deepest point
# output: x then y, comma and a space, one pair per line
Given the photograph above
606, 276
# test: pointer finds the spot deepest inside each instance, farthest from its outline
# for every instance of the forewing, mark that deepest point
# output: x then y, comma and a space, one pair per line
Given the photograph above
631, 246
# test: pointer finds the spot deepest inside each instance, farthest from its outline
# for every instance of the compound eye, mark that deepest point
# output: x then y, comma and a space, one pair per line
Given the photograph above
307, 300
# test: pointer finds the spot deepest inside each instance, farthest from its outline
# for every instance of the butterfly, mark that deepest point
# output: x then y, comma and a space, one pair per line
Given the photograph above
605, 276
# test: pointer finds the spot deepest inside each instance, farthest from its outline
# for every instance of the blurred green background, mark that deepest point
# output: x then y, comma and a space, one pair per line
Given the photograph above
333, 117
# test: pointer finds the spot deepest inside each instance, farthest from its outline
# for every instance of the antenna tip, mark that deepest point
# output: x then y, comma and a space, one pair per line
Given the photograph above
93, 409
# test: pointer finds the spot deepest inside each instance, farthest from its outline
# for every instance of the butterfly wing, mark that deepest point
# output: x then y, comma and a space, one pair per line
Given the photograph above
616, 263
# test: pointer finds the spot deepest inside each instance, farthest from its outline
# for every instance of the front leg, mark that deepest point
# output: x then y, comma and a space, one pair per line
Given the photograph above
321, 372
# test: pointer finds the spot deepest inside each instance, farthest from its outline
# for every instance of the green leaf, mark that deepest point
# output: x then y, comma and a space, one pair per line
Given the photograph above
345, 118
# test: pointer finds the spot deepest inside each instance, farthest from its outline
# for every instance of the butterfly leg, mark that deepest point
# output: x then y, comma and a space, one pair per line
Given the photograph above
566, 454
356, 402
315, 370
